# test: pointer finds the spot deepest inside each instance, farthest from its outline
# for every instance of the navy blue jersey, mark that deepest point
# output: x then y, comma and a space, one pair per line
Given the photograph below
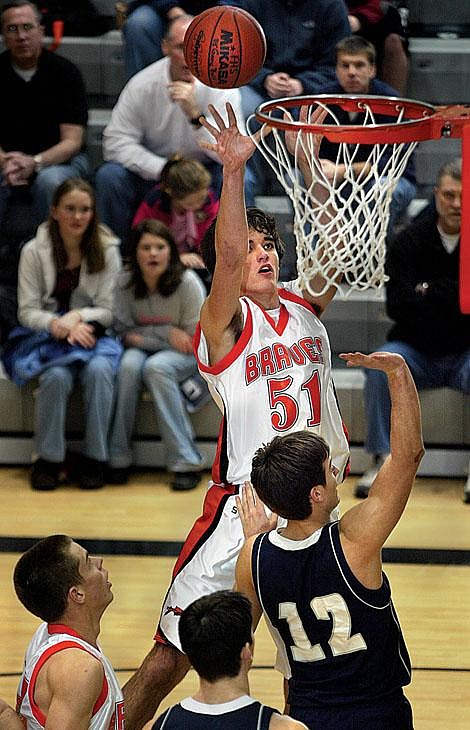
244, 712
339, 642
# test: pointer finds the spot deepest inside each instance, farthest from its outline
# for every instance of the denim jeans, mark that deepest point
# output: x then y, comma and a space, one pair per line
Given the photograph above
161, 372
44, 184
55, 386
451, 371
143, 33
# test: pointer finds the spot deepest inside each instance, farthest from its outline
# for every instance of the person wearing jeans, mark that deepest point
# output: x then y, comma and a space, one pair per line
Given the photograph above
429, 329
157, 308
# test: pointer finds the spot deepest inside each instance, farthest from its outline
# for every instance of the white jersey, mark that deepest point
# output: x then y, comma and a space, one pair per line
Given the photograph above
275, 380
108, 712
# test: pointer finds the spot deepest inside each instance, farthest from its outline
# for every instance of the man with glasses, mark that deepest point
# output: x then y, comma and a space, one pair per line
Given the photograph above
44, 114
428, 330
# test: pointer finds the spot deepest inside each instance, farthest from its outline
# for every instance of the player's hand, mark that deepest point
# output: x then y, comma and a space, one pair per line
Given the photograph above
233, 147
252, 512
388, 362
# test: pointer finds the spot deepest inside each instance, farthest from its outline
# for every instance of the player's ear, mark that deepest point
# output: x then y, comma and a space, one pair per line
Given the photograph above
77, 594
246, 654
316, 493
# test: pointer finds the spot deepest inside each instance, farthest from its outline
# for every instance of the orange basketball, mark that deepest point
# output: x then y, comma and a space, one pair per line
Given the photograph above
224, 47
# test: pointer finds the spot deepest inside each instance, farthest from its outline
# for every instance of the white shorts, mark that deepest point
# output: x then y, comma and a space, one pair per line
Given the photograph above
207, 560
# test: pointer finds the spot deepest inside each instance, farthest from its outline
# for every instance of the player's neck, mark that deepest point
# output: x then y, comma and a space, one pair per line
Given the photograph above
301, 529
223, 690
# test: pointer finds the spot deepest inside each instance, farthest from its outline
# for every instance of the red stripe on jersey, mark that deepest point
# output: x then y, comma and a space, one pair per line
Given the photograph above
231, 356
286, 294
38, 714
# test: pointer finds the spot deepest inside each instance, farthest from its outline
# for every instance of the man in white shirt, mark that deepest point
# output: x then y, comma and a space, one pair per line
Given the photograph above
156, 116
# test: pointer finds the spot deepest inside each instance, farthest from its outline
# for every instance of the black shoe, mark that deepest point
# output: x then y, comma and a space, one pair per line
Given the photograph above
45, 475
185, 480
91, 474
117, 474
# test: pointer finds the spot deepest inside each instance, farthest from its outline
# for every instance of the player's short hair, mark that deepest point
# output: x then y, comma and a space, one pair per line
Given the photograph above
258, 220
355, 45
213, 631
453, 169
43, 576
284, 471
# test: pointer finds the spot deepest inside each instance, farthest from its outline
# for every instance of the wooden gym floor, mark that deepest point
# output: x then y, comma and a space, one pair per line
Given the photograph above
140, 527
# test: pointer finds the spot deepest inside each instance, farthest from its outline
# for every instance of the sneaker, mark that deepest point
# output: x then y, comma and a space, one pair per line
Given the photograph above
45, 475
365, 482
185, 480
117, 474
196, 393
91, 474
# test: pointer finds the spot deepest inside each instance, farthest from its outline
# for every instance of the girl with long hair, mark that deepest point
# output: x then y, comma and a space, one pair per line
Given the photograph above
66, 280
157, 309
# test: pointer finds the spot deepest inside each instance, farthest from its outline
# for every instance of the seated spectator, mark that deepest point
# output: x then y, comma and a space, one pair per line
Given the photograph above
184, 202
380, 23
423, 301
43, 119
156, 116
66, 280
355, 74
145, 26
301, 38
156, 312
217, 637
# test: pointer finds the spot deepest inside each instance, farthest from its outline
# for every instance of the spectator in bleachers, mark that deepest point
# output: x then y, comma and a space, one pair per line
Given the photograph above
156, 312
355, 74
183, 201
44, 115
380, 23
145, 27
66, 281
156, 116
429, 329
301, 39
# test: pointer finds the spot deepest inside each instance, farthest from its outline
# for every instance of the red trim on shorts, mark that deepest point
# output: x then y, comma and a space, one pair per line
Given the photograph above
213, 506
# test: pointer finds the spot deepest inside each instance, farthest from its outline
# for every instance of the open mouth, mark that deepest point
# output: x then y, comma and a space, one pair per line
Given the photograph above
266, 269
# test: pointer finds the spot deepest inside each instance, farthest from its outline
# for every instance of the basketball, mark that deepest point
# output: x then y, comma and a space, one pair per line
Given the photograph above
224, 47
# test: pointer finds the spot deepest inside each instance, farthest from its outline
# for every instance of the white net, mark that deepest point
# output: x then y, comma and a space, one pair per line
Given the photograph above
341, 214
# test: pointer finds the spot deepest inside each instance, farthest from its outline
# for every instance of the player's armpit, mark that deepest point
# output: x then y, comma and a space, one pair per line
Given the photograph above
73, 682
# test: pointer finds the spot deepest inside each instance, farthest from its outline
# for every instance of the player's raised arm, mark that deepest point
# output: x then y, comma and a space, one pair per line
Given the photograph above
365, 527
231, 233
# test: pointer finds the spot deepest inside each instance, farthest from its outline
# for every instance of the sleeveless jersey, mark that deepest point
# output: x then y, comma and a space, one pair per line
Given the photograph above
108, 712
276, 379
244, 713
340, 642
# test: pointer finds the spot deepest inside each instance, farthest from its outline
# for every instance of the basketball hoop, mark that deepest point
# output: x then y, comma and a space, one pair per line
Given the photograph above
341, 215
